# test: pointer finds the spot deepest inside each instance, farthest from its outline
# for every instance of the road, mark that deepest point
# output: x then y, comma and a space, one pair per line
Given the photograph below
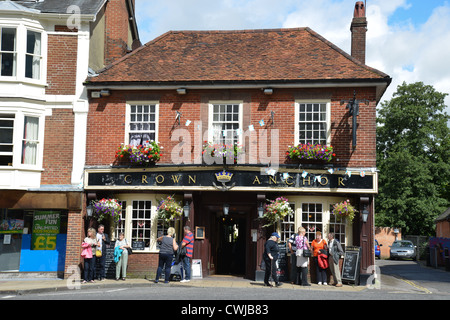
400, 280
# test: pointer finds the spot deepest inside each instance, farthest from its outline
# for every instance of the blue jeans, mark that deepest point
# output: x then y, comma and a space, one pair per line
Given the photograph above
187, 267
165, 261
89, 265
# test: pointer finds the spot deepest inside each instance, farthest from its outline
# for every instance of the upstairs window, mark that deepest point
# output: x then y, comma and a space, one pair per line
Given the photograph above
225, 122
312, 123
33, 55
8, 52
6, 139
142, 123
30, 140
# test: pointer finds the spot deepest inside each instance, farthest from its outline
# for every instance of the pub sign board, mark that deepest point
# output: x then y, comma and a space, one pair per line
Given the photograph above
225, 180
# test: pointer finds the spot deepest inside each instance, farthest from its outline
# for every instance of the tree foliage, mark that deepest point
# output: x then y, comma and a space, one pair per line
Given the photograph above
413, 156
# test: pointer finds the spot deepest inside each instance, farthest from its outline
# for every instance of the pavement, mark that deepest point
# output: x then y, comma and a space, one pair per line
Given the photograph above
29, 286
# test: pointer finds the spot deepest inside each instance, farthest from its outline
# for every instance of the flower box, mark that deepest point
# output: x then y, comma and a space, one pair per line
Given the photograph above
222, 151
141, 155
308, 152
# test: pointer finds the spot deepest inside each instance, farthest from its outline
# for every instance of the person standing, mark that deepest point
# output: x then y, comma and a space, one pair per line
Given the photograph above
335, 253
103, 240
270, 256
188, 242
121, 256
319, 244
89, 263
302, 261
293, 249
168, 246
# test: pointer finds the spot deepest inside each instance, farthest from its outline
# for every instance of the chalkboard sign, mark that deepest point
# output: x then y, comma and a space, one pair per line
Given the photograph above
110, 265
351, 266
138, 245
282, 268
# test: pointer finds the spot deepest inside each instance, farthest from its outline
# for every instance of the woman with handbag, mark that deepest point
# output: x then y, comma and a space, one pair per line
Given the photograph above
121, 256
319, 246
89, 246
166, 251
303, 253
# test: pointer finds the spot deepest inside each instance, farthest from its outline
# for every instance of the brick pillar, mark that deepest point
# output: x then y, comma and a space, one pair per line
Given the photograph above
75, 235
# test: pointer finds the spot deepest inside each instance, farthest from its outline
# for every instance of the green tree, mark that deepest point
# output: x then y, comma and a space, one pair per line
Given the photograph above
413, 156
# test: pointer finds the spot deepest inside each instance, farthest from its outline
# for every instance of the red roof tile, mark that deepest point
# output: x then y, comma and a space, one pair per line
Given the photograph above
246, 55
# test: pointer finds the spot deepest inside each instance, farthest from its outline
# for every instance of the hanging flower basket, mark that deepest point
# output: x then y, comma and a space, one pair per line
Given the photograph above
310, 152
344, 210
107, 208
141, 155
276, 210
169, 210
222, 150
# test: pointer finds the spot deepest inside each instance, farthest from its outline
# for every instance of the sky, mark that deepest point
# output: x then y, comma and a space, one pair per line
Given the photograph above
407, 39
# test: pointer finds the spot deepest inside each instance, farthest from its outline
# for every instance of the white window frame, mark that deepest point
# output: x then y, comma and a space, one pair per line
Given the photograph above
327, 120
18, 138
38, 56
14, 75
211, 114
128, 117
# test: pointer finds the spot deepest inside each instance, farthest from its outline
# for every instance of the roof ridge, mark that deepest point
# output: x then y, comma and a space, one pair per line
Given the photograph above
241, 30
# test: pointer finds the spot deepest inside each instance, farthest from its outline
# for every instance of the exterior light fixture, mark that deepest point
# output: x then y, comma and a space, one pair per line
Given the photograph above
365, 208
105, 93
181, 91
226, 208
260, 210
89, 210
268, 91
186, 209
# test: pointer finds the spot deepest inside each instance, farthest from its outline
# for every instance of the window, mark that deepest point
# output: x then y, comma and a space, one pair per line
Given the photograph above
312, 123
142, 123
288, 225
8, 51
312, 215
226, 119
141, 221
33, 55
30, 140
6, 139
337, 227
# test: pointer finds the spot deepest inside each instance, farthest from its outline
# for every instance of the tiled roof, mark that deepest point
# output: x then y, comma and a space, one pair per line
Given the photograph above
248, 55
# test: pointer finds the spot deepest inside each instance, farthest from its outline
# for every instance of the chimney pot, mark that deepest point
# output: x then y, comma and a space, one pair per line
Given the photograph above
359, 29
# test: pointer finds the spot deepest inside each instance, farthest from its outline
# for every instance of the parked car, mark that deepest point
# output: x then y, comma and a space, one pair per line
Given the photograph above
403, 249
377, 249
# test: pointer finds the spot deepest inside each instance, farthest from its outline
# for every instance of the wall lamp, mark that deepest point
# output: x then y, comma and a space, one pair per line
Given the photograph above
101, 93
186, 209
89, 210
268, 91
365, 208
181, 91
226, 208
260, 210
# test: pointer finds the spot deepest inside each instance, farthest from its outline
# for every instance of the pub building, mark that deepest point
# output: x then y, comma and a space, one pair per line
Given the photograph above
260, 91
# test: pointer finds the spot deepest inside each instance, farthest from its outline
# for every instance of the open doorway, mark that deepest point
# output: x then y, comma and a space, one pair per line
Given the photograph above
231, 245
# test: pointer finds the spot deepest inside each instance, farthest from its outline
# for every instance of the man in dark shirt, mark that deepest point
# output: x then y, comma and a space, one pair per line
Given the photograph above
270, 257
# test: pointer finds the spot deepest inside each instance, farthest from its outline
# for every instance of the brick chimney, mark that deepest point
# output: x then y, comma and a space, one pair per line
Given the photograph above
359, 29
116, 30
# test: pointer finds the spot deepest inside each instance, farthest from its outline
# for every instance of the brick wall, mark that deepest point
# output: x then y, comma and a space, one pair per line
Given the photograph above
385, 237
58, 147
142, 265
74, 239
106, 120
62, 63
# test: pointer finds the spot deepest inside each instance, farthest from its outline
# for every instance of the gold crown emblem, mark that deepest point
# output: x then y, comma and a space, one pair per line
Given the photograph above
223, 176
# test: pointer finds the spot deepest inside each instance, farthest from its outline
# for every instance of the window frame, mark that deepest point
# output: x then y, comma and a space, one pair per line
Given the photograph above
14, 75
211, 121
33, 55
327, 121
128, 130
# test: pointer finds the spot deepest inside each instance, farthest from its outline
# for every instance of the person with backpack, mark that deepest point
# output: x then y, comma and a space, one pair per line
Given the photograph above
188, 243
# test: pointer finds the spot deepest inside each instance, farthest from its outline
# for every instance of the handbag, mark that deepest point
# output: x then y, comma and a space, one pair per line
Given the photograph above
98, 253
306, 253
